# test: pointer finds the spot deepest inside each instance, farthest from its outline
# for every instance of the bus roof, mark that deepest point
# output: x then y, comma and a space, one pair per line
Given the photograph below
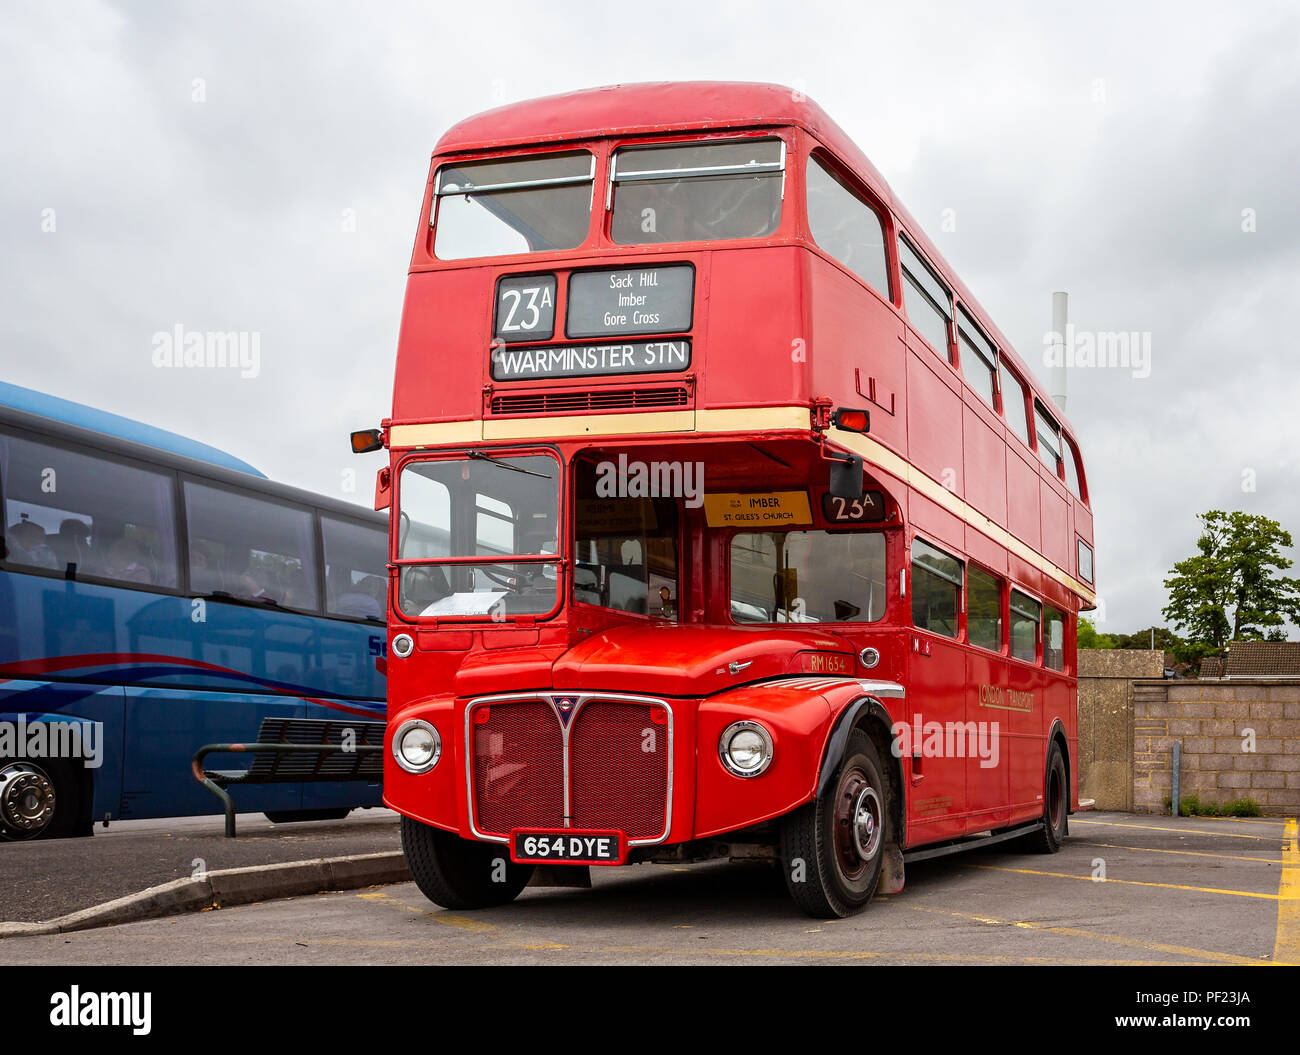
81, 416
657, 108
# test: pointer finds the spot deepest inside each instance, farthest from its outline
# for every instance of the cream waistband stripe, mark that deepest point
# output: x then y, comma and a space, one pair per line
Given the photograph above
736, 419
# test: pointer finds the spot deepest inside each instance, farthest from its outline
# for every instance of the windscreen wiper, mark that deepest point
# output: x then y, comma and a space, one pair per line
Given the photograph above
247, 602
505, 465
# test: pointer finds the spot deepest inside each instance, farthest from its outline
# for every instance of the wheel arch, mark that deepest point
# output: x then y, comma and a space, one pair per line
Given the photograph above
870, 716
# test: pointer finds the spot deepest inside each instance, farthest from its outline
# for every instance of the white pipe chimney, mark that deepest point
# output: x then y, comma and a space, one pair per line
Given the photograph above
1060, 319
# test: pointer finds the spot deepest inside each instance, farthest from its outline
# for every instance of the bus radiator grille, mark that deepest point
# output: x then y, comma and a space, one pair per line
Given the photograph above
619, 768
518, 768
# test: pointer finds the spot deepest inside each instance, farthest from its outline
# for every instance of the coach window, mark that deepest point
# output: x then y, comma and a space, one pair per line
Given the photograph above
928, 302
1049, 440
513, 205
847, 227
110, 519
936, 589
1053, 638
356, 580
1013, 404
1026, 613
978, 358
250, 548
984, 609
1070, 455
696, 192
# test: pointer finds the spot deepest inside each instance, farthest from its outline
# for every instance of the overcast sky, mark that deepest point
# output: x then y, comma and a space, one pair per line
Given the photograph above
259, 167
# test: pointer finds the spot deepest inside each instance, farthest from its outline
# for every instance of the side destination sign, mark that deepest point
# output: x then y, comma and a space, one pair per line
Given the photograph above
510, 363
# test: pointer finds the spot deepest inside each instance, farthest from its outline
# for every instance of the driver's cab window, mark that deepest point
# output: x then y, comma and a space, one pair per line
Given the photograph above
625, 551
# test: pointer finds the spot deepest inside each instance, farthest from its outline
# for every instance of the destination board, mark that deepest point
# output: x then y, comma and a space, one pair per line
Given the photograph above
510, 363
628, 301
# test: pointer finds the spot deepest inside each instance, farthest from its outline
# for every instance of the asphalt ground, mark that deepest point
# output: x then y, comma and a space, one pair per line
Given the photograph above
1176, 891
44, 878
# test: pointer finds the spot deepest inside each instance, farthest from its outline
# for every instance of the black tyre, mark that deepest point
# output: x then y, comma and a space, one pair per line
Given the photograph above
459, 873
43, 798
832, 848
290, 816
1056, 804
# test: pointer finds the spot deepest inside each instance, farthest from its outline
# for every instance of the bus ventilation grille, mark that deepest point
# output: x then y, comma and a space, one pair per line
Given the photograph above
317, 765
577, 401
618, 778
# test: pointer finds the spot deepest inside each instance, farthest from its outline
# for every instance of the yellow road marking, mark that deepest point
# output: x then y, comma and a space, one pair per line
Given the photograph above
447, 919
1287, 947
1180, 853
1181, 831
1112, 939
1133, 882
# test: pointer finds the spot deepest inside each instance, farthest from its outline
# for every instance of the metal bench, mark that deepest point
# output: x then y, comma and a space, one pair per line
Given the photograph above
296, 751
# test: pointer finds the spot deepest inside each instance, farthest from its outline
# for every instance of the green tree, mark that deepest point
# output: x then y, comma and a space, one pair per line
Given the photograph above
1165, 639
1089, 638
1232, 589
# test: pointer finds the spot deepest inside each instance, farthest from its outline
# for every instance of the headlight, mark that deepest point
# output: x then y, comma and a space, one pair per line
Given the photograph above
417, 746
745, 749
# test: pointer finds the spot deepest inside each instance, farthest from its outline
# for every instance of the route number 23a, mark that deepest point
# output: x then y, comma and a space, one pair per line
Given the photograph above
524, 308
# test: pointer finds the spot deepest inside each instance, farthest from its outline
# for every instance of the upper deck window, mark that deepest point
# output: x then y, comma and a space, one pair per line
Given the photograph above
1049, 439
928, 302
846, 227
697, 192
1013, 404
513, 205
979, 359
1070, 456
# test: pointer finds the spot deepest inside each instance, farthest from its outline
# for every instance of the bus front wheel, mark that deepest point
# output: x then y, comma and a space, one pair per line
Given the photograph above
832, 848
458, 873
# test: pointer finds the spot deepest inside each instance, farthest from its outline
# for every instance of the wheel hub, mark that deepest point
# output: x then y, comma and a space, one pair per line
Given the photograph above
859, 824
866, 823
26, 798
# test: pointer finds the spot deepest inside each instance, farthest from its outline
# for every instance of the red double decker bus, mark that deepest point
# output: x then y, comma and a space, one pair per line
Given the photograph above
725, 522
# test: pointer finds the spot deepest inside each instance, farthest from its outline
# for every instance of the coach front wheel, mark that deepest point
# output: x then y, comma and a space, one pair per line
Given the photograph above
832, 848
459, 873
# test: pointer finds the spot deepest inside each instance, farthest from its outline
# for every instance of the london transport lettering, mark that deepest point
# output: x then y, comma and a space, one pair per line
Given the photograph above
992, 696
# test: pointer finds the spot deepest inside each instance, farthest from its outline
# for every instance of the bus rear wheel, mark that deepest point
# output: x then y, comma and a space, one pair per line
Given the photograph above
40, 800
459, 873
1056, 804
832, 849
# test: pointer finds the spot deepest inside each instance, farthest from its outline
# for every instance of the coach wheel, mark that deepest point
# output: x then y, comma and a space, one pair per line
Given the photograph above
38, 800
1056, 803
459, 873
832, 848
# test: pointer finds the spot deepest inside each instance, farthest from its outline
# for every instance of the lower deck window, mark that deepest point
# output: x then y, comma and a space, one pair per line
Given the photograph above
1026, 614
807, 577
936, 589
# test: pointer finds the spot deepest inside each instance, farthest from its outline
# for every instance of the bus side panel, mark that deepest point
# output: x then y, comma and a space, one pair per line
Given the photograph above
164, 727
70, 701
